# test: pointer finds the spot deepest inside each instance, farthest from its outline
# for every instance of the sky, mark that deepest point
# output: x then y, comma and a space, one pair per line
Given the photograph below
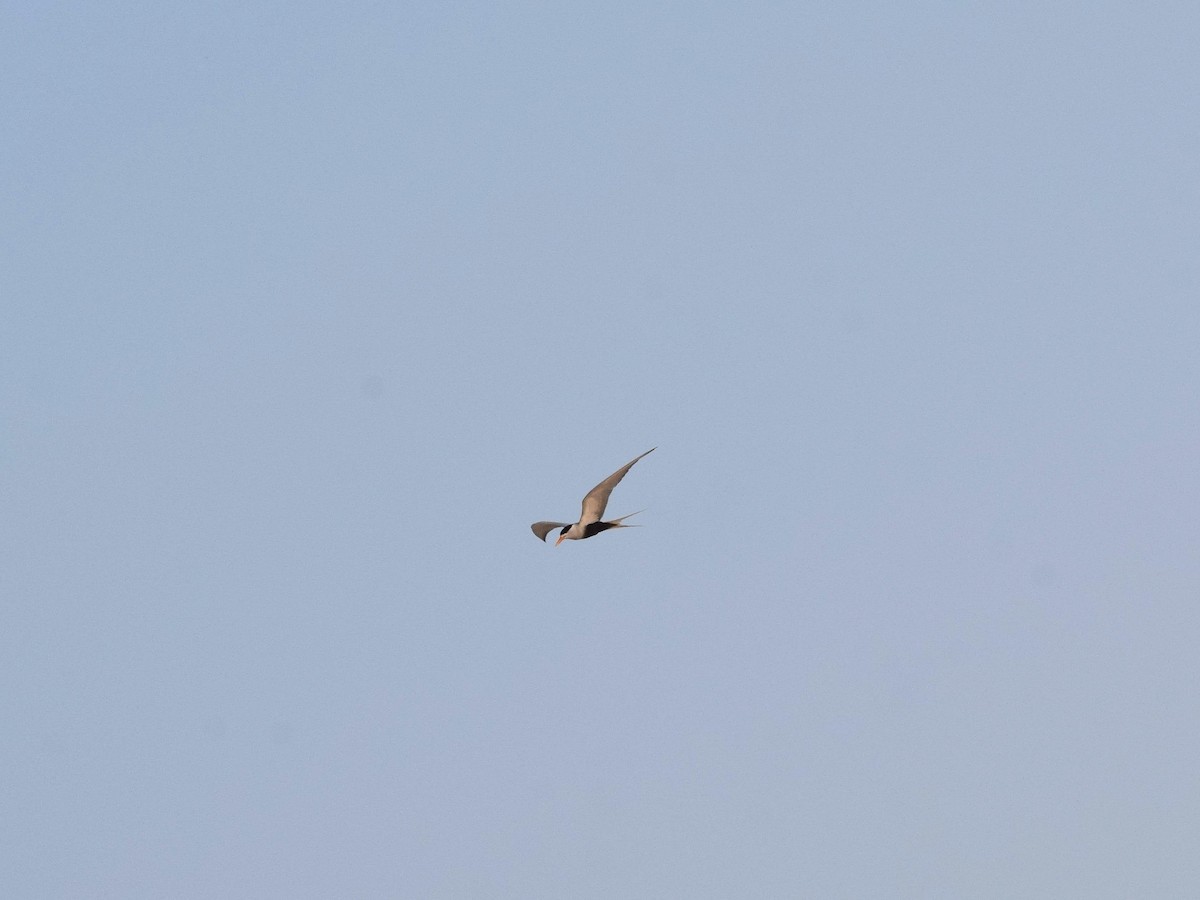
308, 310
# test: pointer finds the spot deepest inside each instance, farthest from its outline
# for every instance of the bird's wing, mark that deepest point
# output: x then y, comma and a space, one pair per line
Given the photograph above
541, 529
597, 497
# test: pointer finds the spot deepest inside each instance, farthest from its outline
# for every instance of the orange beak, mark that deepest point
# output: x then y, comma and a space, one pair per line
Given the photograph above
561, 537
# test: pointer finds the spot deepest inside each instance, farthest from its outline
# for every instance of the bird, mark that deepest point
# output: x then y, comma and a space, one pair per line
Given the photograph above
589, 524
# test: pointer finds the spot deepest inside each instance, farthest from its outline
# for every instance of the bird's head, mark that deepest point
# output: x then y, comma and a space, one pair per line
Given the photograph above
562, 535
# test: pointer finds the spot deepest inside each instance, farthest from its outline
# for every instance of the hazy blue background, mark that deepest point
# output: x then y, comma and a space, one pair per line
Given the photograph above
309, 309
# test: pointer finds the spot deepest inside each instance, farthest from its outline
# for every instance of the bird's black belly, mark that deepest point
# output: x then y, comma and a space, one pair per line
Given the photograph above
594, 528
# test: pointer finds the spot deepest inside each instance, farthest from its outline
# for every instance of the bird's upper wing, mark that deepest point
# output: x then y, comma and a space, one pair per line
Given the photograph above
597, 497
541, 529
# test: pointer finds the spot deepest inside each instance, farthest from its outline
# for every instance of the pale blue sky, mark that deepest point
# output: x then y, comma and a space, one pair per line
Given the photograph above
308, 310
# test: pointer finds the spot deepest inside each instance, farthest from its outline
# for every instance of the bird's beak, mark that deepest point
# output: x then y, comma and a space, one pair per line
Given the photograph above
560, 539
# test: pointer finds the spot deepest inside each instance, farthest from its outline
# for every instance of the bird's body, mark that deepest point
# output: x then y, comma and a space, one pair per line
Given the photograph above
589, 524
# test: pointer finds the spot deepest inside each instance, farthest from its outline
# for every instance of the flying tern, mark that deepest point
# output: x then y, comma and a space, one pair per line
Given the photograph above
589, 523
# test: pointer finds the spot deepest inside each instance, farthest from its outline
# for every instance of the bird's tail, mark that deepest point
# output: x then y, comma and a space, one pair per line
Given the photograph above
616, 523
